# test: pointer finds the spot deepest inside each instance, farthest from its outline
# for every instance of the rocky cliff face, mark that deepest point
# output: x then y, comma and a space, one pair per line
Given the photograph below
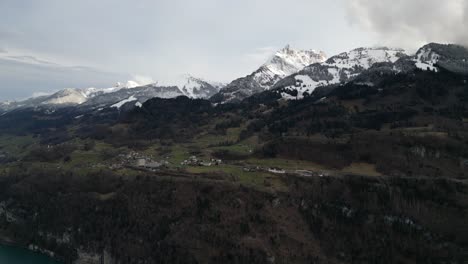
291, 73
198, 88
285, 62
337, 69
367, 65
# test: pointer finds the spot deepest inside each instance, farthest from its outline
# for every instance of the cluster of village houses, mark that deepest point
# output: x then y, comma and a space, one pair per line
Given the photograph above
142, 161
135, 159
194, 161
151, 164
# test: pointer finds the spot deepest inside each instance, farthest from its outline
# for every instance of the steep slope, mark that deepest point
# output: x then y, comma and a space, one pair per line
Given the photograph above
135, 95
30, 102
198, 88
103, 97
66, 97
291, 73
337, 69
451, 57
366, 65
285, 62
92, 91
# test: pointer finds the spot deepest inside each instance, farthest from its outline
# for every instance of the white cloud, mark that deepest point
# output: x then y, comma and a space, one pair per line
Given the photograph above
39, 94
206, 38
260, 55
142, 80
22, 76
411, 23
137, 81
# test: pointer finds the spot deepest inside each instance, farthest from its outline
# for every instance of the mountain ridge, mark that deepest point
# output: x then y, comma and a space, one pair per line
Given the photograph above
104, 97
291, 73
283, 63
381, 60
379, 160
337, 69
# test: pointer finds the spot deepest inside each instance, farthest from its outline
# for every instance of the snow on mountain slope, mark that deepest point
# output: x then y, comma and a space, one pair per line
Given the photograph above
337, 69
118, 97
364, 57
73, 96
198, 88
284, 62
425, 59
292, 73
66, 97
434, 56
141, 90
123, 102
141, 94
91, 92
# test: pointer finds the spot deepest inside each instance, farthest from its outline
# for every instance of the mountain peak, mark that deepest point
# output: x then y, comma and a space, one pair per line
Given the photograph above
306, 57
286, 62
340, 68
290, 51
286, 48
283, 63
195, 87
365, 57
68, 96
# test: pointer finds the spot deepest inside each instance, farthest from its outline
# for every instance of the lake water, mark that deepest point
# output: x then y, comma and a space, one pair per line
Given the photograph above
13, 255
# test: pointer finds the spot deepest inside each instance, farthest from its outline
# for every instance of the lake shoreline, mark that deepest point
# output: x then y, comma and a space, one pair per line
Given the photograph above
6, 241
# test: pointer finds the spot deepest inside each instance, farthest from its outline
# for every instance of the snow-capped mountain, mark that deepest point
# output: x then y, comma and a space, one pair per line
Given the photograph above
136, 96
337, 69
291, 73
117, 95
189, 86
449, 57
198, 88
67, 96
91, 92
284, 62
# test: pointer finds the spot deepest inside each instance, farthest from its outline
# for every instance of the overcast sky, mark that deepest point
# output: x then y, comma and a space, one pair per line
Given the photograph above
46, 45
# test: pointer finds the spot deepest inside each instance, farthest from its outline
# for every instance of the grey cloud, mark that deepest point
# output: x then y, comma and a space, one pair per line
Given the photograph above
218, 40
31, 59
19, 79
411, 23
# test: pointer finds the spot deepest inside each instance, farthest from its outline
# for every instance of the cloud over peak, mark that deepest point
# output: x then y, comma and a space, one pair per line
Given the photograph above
411, 23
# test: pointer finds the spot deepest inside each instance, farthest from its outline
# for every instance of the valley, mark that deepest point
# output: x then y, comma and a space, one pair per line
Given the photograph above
368, 146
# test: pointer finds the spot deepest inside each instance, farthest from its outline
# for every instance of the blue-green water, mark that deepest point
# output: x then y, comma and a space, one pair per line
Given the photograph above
13, 255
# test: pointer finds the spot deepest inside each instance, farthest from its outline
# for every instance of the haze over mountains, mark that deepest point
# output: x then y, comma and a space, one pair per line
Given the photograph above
292, 73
